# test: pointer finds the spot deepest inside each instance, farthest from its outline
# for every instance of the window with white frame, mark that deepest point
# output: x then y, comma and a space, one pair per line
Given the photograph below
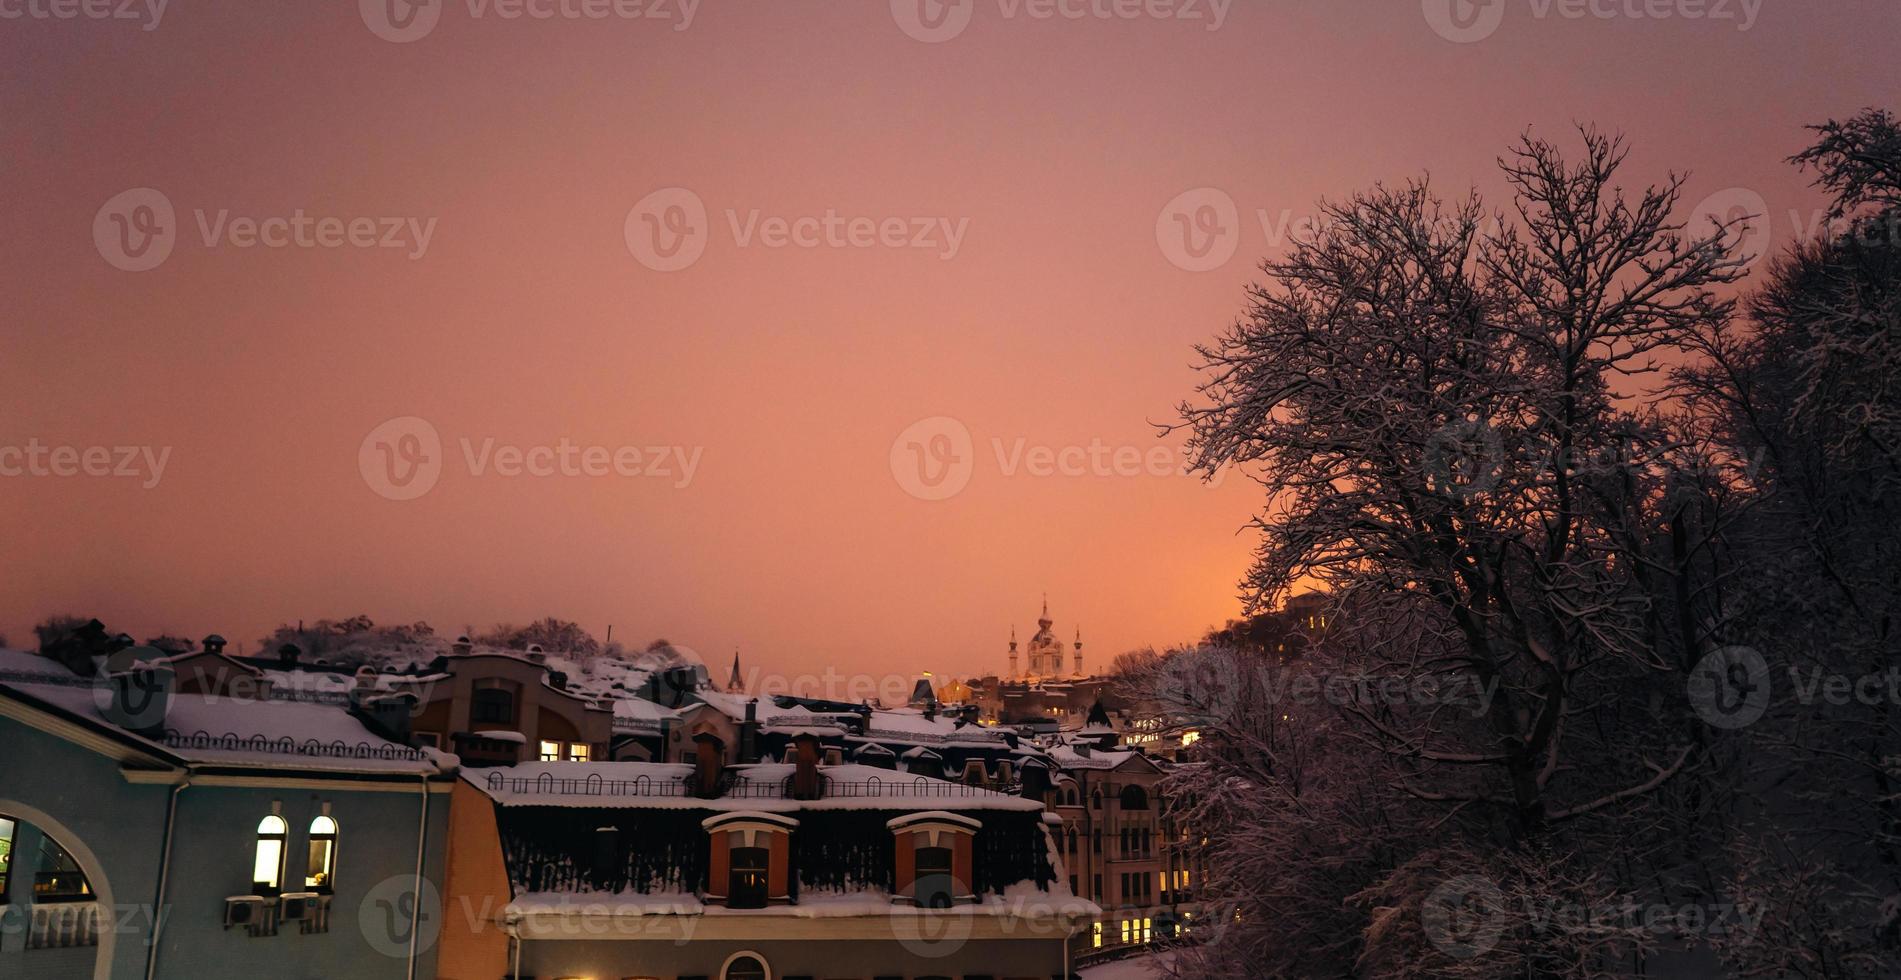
321, 869
267, 868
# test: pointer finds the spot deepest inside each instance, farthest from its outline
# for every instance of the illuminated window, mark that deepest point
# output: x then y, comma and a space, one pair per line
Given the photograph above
551, 751
1125, 930
1097, 936
1144, 934
267, 872
322, 866
578, 752
6, 857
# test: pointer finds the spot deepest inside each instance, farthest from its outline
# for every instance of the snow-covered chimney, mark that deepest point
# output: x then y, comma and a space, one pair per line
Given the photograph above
806, 783
463, 646
536, 654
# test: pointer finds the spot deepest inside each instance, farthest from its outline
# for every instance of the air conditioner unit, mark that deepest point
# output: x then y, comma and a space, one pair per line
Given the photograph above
298, 905
243, 910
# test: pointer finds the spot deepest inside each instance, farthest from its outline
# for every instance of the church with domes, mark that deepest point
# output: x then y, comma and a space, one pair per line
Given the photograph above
1046, 654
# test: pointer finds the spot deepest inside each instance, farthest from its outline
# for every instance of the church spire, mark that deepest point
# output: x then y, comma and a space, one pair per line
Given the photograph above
737, 684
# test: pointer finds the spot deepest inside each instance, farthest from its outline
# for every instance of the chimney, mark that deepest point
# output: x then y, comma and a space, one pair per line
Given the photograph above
806, 783
388, 716
536, 654
557, 680
214, 644
1036, 779
463, 646
709, 753
749, 733
930, 711
140, 699
287, 654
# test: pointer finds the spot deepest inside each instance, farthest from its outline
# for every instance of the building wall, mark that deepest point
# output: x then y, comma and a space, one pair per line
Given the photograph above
833, 959
115, 829
472, 944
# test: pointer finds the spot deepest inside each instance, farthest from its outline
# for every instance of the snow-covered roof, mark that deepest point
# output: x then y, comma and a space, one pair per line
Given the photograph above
229, 731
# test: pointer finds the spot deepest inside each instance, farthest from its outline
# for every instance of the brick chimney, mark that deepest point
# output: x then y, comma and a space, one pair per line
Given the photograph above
806, 783
709, 754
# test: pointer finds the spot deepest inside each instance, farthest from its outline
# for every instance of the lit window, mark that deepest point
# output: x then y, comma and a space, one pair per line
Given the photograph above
322, 866
1125, 930
578, 751
6, 856
267, 872
551, 751
1097, 936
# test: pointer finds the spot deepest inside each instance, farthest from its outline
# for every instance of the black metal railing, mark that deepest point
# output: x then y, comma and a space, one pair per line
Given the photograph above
337, 749
742, 787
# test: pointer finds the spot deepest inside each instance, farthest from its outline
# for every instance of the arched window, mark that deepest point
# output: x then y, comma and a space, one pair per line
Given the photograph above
1134, 798
746, 966
267, 872
322, 866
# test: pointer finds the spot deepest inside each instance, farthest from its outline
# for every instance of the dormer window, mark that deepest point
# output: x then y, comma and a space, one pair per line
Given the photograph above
749, 859
934, 851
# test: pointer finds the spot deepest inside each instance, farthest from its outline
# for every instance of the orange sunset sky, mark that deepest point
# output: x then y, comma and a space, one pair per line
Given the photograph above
1060, 318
